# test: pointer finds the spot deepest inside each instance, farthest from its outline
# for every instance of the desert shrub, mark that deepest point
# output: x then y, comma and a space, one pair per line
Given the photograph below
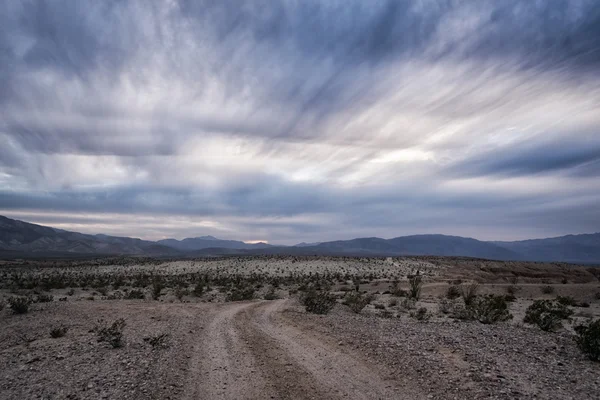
566, 300
420, 314
547, 314
160, 340
469, 292
180, 292
547, 289
386, 314
71, 292
157, 288
271, 295
44, 298
490, 309
597, 295
103, 290
445, 306
453, 292
19, 305
583, 304
240, 292
408, 303
393, 302
588, 339
415, 284
318, 302
357, 301
459, 311
135, 294
112, 334
1, 305
58, 331
199, 289
380, 306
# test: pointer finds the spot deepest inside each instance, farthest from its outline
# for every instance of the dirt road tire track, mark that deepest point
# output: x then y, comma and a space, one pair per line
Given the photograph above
248, 351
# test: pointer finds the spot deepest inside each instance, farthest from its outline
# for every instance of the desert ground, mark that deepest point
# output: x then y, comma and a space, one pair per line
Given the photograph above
238, 328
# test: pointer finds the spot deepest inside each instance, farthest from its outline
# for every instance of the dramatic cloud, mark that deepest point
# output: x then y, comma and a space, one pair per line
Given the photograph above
294, 121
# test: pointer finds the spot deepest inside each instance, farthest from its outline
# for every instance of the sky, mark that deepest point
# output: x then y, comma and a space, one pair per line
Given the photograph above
289, 121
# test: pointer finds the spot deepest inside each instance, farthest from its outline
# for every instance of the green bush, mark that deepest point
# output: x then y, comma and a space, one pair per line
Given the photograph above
588, 339
271, 295
547, 314
453, 292
415, 284
490, 309
318, 302
19, 305
240, 292
112, 334
357, 301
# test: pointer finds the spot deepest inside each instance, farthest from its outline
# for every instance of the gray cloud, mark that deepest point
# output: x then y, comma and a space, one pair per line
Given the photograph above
302, 119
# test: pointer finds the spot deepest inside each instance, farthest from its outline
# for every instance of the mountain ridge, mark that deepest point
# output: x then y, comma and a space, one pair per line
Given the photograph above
24, 238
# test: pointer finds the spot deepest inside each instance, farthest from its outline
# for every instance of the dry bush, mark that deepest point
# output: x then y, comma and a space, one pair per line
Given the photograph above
112, 334
453, 292
58, 331
469, 292
547, 289
547, 314
19, 305
357, 301
490, 309
588, 339
320, 302
415, 284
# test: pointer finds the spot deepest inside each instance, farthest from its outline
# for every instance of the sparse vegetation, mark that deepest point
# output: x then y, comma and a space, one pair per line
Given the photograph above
415, 284
318, 302
420, 314
135, 294
547, 289
547, 314
160, 340
112, 334
240, 292
357, 301
469, 292
157, 287
44, 298
453, 292
19, 305
490, 309
58, 331
588, 339
566, 300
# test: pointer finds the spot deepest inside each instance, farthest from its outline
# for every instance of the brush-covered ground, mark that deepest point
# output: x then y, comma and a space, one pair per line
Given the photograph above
250, 328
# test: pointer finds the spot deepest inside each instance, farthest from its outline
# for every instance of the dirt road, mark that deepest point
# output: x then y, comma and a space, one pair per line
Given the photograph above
248, 351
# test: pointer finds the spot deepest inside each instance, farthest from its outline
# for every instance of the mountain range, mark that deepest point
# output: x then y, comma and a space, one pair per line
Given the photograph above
23, 239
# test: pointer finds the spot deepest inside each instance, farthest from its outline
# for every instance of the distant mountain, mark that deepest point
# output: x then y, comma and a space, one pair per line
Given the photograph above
18, 238
304, 244
23, 237
570, 248
206, 242
418, 245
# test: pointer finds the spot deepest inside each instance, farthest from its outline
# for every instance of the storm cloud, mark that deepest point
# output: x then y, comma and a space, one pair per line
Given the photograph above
295, 121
